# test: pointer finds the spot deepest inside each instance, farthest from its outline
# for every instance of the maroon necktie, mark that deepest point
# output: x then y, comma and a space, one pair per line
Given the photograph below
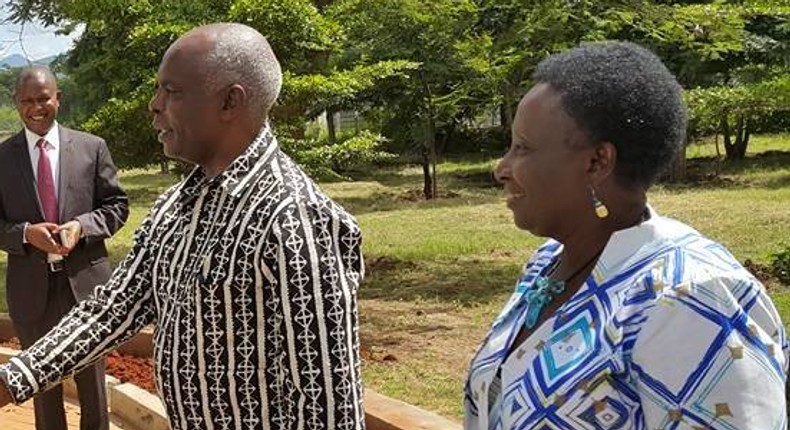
45, 184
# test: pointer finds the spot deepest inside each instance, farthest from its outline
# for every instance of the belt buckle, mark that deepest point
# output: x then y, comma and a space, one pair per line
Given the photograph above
55, 266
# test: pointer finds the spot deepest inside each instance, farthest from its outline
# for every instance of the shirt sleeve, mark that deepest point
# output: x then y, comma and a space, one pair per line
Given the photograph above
111, 315
314, 265
710, 354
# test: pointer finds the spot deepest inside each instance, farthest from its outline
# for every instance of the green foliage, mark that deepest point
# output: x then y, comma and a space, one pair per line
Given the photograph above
7, 83
356, 152
451, 77
780, 265
301, 37
317, 93
9, 120
707, 105
132, 141
336, 162
731, 56
419, 71
111, 69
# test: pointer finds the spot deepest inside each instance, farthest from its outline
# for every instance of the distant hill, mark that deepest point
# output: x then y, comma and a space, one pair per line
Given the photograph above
17, 60
13, 60
46, 61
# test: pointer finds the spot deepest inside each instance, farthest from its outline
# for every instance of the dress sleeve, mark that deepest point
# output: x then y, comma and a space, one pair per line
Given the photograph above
711, 353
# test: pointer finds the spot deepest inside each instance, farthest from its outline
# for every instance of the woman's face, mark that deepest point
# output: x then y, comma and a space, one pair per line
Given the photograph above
544, 171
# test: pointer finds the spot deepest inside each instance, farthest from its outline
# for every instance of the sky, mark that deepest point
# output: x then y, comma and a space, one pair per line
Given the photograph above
36, 41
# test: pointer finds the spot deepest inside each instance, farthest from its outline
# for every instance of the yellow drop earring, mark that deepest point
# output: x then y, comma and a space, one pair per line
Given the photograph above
601, 211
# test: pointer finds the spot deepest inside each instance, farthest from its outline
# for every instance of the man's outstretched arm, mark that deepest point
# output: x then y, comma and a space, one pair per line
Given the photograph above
94, 327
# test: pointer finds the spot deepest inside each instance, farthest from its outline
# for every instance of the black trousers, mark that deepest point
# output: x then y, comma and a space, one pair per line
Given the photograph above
50, 413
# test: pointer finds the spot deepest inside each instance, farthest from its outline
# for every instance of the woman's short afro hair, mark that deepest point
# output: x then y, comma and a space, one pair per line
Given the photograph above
622, 93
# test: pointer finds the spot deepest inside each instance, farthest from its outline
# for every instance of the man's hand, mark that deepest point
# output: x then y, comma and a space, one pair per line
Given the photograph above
40, 236
5, 395
70, 233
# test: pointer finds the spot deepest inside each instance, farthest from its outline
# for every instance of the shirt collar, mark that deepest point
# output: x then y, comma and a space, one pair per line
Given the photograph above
236, 173
632, 244
52, 137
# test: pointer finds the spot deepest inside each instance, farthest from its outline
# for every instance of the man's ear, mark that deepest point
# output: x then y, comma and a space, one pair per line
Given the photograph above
603, 160
234, 101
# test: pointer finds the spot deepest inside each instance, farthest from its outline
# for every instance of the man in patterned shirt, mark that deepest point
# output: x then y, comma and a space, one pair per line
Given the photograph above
247, 270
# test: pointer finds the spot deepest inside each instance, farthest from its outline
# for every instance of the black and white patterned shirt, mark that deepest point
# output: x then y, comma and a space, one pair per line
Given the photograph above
251, 280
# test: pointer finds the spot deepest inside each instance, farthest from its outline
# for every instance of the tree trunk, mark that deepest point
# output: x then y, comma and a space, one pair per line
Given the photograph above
718, 156
330, 126
435, 192
429, 159
504, 114
725, 131
508, 113
735, 150
677, 172
164, 166
744, 139
427, 178
429, 139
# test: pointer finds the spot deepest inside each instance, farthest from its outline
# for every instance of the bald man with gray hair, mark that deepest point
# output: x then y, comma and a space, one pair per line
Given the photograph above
243, 56
248, 270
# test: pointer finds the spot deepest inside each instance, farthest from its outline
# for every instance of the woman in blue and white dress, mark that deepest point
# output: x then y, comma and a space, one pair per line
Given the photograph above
624, 319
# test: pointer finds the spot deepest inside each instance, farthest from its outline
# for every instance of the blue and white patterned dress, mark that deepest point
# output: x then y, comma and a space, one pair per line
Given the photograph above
668, 332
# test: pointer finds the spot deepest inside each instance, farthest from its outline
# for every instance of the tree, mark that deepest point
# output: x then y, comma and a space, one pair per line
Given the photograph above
733, 57
713, 46
424, 70
524, 33
112, 67
436, 35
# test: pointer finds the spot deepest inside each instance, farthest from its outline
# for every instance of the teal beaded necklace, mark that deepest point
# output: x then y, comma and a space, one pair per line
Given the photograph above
545, 289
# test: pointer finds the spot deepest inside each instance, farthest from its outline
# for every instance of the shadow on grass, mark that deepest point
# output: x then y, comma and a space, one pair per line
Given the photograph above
766, 161
412, 200
391, 177
459, 187
701, 173
463, 281
148, 179
483, 178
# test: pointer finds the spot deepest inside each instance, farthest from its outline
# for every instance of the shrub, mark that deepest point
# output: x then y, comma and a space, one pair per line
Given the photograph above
335, 162
780, 265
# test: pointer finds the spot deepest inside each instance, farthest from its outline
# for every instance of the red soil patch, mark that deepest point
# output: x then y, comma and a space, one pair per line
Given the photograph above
126, 368
139, 371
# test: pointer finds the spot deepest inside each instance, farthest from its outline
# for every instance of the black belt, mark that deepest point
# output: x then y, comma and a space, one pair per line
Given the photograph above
56, 266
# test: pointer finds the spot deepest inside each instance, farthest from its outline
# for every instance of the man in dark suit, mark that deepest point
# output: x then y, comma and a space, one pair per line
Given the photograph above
59, 199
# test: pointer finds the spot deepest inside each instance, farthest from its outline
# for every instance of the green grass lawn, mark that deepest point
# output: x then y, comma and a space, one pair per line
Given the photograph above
439, 271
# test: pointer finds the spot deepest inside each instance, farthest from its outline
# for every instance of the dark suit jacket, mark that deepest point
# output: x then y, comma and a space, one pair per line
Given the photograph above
89, 192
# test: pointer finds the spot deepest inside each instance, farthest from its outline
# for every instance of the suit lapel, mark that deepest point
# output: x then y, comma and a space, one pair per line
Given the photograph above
22, 155
64, 169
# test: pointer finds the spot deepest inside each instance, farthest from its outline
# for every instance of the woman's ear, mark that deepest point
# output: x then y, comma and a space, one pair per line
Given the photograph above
602, 162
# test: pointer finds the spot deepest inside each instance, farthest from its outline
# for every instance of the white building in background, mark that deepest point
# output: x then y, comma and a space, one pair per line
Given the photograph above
344, 121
